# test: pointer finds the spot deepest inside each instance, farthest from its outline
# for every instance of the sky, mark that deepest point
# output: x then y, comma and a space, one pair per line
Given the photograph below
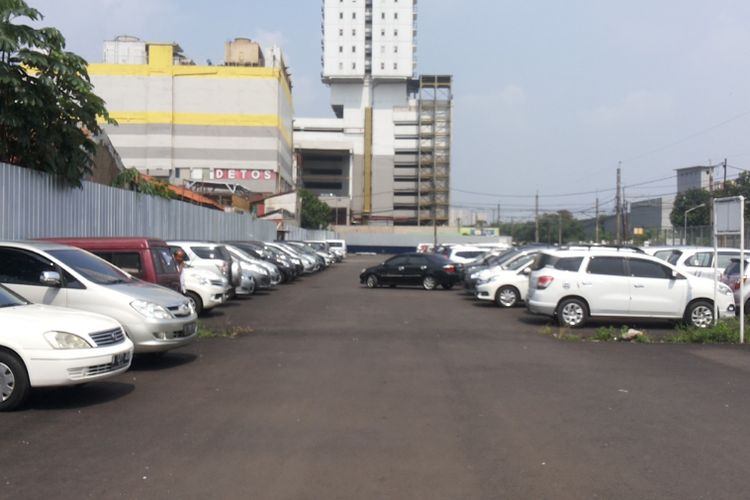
549, 96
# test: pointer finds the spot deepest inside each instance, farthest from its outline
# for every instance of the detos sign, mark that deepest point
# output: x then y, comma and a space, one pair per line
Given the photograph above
243, 174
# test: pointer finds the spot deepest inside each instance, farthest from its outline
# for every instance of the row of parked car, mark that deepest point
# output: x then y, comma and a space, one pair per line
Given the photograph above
75, 310
576, 283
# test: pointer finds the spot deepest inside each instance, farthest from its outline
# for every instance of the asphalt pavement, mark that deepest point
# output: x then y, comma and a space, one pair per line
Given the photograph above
336, 391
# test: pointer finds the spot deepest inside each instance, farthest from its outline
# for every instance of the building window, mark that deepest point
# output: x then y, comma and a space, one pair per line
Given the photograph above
395, 15
354, 15
354, 49
341, 32
382, 16
395, 33
341, 15
341, 49
354, 32
382, 49
395, 49
341, 65
382, 65
395, 65
354, 65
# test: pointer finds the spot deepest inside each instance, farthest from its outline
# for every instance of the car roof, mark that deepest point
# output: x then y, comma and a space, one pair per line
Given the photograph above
110, 243
44, 246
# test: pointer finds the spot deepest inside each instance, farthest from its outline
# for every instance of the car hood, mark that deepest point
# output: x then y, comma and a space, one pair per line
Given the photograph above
141, 290
48, 318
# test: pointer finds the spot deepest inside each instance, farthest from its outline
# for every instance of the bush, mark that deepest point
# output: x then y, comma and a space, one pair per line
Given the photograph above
725, 332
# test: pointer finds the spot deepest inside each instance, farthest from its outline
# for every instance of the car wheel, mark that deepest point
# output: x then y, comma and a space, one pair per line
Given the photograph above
14, 382
447, 286
195, 299
507, 296
429, 283
372, 281
700, 314
572, 313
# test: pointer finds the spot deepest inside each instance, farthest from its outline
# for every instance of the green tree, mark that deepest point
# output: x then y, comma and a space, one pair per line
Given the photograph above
687, 200
315, 213
132, 180
48, 111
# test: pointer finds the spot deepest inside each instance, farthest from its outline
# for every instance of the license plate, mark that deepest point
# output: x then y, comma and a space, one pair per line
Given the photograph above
120, 359
190, 329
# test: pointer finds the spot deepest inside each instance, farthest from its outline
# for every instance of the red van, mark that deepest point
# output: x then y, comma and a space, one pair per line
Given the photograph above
148, 259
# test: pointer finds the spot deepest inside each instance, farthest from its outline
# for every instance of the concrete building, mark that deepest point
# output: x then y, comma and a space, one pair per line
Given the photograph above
695, 178
178, 121
384, 158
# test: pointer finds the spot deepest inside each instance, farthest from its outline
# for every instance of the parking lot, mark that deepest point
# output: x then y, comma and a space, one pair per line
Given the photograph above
332, 390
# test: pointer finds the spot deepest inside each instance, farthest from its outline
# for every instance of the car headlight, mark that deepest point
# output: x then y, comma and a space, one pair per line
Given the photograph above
63, 340
257, 269
725, 289
150, 310
203, 281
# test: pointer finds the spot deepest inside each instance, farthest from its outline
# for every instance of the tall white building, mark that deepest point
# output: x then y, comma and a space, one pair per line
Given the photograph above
385, 157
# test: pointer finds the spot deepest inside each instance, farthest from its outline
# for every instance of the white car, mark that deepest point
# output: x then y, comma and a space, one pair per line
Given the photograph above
573, 285
510, 285
208, 255
465, 254
205, 288
43, 346
519, 260
698, 261
338, 246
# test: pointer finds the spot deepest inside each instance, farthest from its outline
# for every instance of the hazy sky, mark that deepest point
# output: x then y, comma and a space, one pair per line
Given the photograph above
549, 95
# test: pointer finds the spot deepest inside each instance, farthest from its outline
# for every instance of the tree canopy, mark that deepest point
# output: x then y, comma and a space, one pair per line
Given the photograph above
694, 197
133, 180
315, 213
48, 110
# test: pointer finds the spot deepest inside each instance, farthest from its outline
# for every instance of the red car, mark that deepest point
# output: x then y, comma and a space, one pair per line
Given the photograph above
148, 259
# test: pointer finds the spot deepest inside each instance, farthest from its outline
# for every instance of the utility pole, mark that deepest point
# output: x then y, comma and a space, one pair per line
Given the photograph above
625, 215
536, 218
725, 174
559, 228
596, 222
618, 208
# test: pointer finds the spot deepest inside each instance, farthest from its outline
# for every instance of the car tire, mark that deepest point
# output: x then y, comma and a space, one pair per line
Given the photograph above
196, 300
429, 283
700, 314
14, 381
507, 297
372, 281
572, 313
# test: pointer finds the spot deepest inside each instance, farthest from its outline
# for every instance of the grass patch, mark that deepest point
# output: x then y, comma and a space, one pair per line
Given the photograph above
724, 332
232, 332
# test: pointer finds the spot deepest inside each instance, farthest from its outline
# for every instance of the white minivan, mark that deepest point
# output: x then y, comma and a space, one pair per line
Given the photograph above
155, 318
574, 285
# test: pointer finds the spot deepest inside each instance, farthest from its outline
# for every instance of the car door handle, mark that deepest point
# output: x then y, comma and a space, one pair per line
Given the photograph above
586, 283
639, 285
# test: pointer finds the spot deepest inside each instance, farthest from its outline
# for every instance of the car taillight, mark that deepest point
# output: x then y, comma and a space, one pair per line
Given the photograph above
449, 268
544, 281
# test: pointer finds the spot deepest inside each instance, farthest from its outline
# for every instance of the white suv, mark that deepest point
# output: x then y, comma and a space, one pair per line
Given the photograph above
573, 285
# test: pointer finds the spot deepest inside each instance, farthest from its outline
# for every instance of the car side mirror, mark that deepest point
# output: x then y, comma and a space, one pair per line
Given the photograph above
677, 276
50, 278
527, 271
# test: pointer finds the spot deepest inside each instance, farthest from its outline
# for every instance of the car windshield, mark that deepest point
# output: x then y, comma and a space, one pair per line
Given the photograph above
208, 253
91, 267
337, 244
520, 262
10, 299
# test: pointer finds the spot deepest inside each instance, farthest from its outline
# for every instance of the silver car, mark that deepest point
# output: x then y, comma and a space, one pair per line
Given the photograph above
155, 318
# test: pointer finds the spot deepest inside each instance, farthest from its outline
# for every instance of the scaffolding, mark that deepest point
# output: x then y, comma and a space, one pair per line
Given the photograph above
435, 100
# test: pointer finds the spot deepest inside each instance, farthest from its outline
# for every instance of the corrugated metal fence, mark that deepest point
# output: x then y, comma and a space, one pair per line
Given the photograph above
35, 205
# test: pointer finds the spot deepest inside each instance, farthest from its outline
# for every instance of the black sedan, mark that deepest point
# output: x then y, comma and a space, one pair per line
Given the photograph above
426, 270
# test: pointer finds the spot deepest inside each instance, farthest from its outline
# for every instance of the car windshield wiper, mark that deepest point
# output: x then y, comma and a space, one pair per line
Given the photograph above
14, 305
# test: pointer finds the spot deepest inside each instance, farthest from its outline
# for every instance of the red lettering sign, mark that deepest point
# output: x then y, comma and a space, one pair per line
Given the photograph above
244, 174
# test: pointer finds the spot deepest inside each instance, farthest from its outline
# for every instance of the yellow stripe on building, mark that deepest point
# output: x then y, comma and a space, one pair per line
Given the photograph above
204, 119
